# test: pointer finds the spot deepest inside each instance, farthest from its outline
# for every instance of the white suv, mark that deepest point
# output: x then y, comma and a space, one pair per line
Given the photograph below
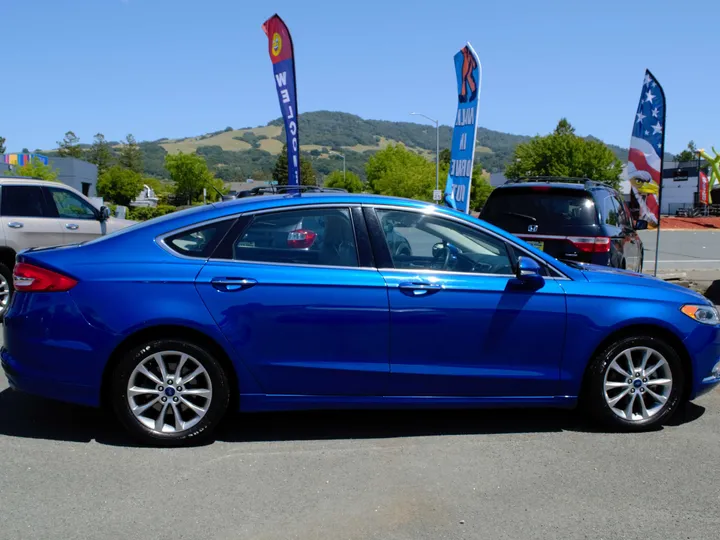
34, 213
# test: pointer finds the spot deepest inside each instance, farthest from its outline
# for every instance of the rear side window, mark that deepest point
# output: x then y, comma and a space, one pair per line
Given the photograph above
552, 211
23, 201
199, 242
312, 236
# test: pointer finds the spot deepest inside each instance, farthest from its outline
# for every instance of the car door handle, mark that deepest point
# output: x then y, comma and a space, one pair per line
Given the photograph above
71, 226
232, 284
15, 225
419, 288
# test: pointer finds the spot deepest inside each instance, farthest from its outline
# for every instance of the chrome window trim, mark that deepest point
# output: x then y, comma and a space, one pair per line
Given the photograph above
560, 275
160, 240
293, 265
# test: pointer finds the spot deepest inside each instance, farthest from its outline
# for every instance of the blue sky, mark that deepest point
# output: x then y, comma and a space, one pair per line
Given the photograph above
175, 68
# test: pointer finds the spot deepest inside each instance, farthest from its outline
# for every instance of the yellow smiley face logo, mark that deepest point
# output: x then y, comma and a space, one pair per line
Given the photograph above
276, 44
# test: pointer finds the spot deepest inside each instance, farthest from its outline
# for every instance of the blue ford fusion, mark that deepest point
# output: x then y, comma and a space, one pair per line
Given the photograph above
345, 301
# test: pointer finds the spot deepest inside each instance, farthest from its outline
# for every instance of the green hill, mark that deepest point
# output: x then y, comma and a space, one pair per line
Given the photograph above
237, 154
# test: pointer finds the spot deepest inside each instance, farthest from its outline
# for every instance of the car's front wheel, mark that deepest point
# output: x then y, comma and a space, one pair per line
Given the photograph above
169, 392
635, 384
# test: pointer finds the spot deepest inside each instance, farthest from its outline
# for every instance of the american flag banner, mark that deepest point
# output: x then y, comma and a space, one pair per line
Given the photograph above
647, 148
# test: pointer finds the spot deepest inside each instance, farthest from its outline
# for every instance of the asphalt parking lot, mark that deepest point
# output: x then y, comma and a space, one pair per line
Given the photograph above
69, 472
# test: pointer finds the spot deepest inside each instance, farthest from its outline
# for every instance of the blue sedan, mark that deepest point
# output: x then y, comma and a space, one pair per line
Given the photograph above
306, 302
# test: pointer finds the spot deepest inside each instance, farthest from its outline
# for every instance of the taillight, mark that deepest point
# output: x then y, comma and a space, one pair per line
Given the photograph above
30, 278
592, 244
301, 239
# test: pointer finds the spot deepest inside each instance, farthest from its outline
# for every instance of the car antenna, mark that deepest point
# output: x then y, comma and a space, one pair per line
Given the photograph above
216, 189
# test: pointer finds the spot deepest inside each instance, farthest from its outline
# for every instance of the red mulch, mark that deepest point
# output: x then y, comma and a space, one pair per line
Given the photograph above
699, 223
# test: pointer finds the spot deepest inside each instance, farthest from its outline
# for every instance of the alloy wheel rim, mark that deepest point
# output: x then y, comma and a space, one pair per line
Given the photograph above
637, 384
169, 392
4, 293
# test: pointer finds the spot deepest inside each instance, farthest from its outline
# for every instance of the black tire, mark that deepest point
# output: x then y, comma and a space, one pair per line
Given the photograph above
7, 275
594, 391
195, 434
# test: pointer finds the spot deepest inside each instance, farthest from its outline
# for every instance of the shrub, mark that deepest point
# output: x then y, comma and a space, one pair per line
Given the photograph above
143, 213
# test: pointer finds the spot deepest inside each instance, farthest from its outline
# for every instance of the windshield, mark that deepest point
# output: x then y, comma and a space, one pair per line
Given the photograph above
552, 212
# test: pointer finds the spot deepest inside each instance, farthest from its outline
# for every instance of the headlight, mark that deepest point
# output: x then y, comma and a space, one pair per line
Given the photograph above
702, 314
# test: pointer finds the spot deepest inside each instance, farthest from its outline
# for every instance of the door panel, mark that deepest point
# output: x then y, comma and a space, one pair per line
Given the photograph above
78, 218
474, 336
25, 218
296, 306
461, 323
321, 331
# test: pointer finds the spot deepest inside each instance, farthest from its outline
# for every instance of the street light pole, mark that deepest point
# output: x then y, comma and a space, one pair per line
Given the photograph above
437, 150
342, 156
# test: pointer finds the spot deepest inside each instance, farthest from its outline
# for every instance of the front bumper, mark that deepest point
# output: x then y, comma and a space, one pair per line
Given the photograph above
703, 345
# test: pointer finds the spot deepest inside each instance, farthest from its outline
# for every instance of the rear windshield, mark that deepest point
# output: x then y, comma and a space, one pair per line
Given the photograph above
554, 211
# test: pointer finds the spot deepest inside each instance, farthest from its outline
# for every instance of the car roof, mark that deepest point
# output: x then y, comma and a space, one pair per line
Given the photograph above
556, 185
25, 180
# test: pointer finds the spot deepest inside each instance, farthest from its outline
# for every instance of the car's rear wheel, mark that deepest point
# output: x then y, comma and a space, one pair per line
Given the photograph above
635, 384
169, 392
6, 289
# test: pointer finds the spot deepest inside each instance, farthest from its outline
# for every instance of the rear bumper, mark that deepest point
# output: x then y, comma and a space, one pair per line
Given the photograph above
26, 380
51, 350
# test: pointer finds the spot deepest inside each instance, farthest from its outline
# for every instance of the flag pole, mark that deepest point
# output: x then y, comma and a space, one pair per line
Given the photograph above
662, 168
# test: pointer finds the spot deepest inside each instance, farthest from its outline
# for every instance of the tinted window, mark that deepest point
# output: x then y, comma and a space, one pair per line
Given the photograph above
623, 215
199, 242
71, 206
321, 236
23, 201
421, 241
609, 211
553, 211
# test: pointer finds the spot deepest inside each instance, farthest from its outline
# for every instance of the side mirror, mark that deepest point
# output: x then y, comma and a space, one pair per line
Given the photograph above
641, 225
529, 272
104, 213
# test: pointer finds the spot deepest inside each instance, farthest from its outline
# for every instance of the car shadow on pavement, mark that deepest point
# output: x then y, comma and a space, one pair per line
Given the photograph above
31, 417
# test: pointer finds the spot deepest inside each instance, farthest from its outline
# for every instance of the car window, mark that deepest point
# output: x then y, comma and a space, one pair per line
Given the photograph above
199, 242
23, 201
71, 206
542, 210
609, 211
316, 236
623, 217
421, 241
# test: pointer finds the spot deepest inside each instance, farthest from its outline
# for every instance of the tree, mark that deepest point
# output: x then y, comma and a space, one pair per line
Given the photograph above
100, 154
689, 154
119, 185
397, 171
349, 181
36, 169
70, 146
191, 174
564, 154
131, 155
2, 145
25, 151
280, 170
307, 173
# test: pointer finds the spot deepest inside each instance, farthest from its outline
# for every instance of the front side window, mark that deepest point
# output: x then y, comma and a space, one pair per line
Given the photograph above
23, 201
427, 242
71, 206
314, 236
